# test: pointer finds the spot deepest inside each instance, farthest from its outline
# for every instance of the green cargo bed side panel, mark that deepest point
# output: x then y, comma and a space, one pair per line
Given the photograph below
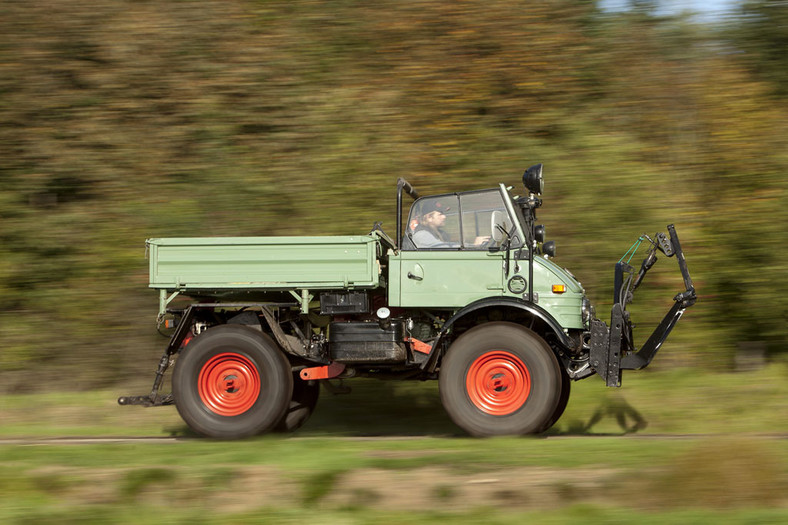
264, 263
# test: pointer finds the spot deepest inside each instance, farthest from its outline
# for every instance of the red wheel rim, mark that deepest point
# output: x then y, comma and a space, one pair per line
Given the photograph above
229, 384
498, 383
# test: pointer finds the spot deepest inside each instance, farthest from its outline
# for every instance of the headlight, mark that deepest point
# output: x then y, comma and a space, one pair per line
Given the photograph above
587, 310
539, 232
532, 179
548, 248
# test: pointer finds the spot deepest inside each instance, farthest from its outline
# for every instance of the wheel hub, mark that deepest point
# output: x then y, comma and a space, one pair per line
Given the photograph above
498, 383
229, 384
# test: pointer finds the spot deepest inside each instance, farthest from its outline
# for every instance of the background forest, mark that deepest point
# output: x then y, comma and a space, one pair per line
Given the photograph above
127, 120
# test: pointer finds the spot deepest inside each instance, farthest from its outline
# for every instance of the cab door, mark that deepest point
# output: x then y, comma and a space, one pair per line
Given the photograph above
469, 262
449, 279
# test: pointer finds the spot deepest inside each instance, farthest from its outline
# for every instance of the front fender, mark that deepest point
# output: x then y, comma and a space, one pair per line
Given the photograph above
495, 302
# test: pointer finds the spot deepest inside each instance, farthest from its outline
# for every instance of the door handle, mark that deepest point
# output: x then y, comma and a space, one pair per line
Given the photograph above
414, 277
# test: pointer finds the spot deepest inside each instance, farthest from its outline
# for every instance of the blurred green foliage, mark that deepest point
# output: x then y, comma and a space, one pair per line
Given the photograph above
121, 121
762, 32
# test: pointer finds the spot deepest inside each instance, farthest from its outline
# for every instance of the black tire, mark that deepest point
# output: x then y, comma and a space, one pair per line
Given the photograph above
232, 382
500, 379
302, 404
563, 400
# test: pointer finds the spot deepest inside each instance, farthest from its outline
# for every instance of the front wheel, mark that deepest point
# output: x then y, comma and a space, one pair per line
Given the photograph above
500, 379
563, 400
232, 382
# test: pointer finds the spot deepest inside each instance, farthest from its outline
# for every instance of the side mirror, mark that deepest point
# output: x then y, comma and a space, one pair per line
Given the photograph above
499, 225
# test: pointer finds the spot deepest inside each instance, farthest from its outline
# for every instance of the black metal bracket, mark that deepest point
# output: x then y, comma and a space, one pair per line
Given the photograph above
147, 401
647, 352
606, 347
611, 349
600, 353
619, 282
383, 236
153, 399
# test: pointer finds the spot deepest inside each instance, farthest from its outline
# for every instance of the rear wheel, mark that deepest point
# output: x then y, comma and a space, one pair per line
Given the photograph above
302, 404
500, 379
232, 382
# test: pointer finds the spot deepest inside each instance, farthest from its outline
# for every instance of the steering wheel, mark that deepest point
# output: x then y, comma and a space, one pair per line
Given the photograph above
489, 243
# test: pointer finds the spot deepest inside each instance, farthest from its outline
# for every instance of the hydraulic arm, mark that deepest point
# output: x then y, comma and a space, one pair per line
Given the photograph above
612, 348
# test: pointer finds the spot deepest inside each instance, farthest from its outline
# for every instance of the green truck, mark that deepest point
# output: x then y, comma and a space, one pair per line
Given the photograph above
466, 293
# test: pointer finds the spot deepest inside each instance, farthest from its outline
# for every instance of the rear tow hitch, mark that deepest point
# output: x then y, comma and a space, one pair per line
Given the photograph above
147, 401
153, 399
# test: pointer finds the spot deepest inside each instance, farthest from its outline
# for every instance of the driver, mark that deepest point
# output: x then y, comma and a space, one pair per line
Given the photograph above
429, 233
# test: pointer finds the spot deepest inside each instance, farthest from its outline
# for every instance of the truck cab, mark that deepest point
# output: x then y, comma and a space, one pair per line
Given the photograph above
483, 254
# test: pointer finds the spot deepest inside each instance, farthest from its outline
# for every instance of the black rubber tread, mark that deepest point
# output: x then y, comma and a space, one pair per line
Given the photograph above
302, 404
276, 386
563, 401
535, 354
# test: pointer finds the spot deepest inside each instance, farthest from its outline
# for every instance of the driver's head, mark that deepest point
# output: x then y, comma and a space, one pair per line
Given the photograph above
433, 213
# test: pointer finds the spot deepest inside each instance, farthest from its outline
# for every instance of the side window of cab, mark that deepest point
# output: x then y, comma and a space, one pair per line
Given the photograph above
465, 221
485, 220
433, 223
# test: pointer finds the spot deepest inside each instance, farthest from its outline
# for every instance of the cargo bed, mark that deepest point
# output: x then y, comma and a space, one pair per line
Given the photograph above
263, 263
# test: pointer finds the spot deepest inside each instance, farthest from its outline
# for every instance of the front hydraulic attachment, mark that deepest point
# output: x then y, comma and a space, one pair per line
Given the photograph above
612, 348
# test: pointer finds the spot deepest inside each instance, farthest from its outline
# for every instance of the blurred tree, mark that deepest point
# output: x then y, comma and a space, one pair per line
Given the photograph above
761, 31
121, 121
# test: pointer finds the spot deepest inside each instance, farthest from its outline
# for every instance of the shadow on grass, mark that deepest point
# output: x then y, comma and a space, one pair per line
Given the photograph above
629, 420
381, 408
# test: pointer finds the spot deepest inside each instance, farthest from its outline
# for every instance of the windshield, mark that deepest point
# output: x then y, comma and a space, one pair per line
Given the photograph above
477, 220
